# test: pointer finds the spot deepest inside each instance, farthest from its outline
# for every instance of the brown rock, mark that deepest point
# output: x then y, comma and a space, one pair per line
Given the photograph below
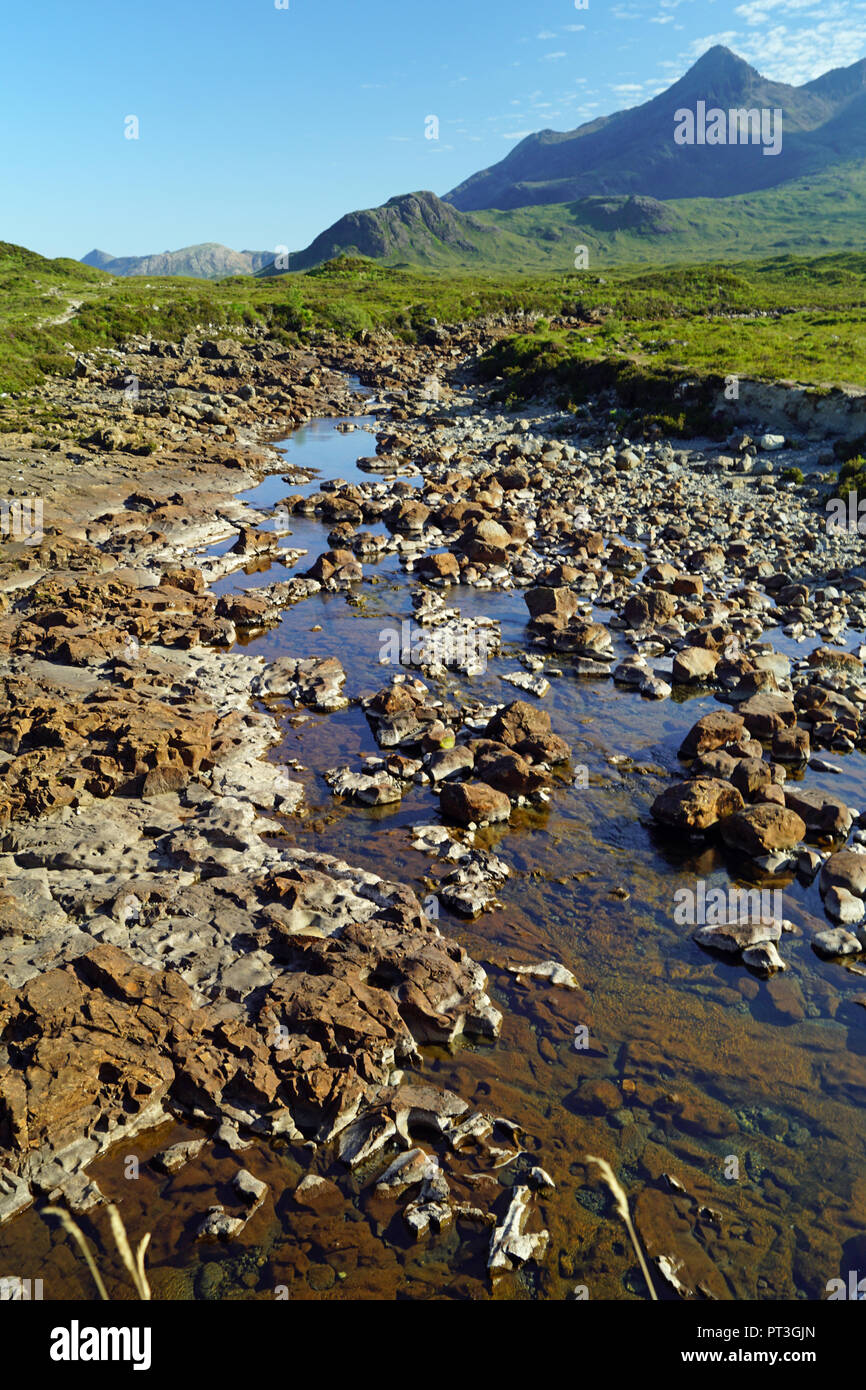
751, 777
792, 745
319, 1195
657, 606
442, 565
693, 665
466, 802
698, 804
763, 829
712, 731
765, 714
845, 869
561, 603
825, 815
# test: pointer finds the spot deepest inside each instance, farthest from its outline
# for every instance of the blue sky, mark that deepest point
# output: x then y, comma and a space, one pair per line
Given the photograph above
259, 126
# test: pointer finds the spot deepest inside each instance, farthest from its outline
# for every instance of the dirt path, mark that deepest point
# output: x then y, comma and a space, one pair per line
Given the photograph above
72, 307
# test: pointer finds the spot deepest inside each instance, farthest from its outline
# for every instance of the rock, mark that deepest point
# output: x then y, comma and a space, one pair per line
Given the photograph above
407, 1170
510, 1245
335, 568
319, 1195
791, 745
712, 731
843, 906
251, 1190
771, 442
736, 936
450, 762
694, 665
764, 957
477, 803
844, 869
561, 603
219, 1225
472, 887
763, 829
653, 688
652, 608
378, 789
542, 1179
439, 566
825, 816
535, 685
526, 729
753, 779
172, 1159
696, 805
507, 771
766, 714
546, 970
315, 682
836, 942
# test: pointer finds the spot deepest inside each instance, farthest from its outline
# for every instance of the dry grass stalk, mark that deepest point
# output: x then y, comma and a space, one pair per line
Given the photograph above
133, 1263
610, 1178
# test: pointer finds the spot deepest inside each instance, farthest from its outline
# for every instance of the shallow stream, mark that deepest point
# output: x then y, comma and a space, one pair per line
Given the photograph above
731, 1107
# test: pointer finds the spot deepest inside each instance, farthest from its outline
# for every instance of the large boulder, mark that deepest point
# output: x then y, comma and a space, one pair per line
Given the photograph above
518, 723
560, 603
763, 829
752, 777
694, 665
712, 731
476, 803
792, 745
441, 565
825, 815
656, 606
767, 714
509, 772
698, 804
845, 869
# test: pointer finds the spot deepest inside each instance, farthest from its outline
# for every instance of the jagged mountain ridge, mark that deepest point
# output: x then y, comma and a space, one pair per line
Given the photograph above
209, 260
633, 151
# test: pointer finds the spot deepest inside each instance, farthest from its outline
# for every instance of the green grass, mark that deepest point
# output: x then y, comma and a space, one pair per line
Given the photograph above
787, 318
652, 325
807, 216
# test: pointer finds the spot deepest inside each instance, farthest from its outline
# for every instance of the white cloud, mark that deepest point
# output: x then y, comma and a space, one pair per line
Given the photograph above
546, 34
792, 54
759, 11
518, 135
551, 57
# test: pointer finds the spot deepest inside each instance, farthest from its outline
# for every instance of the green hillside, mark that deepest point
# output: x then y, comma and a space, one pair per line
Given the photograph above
788, 316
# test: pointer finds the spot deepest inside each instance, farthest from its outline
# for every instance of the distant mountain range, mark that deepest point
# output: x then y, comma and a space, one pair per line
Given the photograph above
207, 261
621, 186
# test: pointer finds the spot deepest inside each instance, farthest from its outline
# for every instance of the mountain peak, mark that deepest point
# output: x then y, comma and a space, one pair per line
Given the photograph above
720, 57
97, 258
631, 151
720, 69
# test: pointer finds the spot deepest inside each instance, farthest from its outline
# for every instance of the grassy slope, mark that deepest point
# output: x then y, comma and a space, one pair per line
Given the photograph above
809, 215
678, 318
